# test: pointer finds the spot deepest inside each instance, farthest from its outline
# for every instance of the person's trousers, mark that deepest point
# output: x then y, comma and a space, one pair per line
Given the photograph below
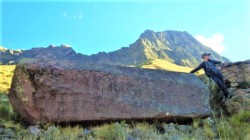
218, 79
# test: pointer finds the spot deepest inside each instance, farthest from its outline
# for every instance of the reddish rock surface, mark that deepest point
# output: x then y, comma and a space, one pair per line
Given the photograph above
99, 93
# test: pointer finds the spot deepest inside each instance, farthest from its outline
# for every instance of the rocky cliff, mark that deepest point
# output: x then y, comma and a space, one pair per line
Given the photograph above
43, 93
237, 76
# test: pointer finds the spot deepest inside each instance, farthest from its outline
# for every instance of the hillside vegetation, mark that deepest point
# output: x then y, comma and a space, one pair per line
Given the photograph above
164, 65
6, 74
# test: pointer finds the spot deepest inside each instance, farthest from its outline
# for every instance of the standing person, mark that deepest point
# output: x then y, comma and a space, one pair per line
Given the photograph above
212, 72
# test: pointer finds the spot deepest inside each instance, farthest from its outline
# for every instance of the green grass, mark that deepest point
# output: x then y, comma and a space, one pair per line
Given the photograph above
6, 111
111, 131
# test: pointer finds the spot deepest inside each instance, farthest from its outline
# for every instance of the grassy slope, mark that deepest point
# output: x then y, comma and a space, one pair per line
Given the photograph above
6, 74
165, 65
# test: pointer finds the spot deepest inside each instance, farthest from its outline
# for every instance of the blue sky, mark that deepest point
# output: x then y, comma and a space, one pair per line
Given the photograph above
91, 27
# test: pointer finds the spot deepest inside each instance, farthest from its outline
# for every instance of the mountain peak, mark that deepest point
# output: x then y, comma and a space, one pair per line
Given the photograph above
62, 46
51, 46
148, 32
2, 49
152, 35
65, 46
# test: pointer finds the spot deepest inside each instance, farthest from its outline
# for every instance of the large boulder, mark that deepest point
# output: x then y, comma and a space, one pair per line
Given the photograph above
99, 93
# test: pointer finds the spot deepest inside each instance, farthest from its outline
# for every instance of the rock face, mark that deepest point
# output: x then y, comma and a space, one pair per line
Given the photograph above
237, 76
98, 93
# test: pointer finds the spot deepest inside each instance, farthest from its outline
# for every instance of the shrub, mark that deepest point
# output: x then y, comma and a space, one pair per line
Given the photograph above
208, 130
236, 127
112, 131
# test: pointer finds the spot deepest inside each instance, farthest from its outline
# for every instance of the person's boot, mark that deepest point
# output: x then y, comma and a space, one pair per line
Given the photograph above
229, 96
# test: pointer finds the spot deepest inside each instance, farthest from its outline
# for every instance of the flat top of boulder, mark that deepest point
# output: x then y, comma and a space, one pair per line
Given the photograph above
180, 77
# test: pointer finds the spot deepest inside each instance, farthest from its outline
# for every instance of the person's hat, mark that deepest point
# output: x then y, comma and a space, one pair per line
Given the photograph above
205, 54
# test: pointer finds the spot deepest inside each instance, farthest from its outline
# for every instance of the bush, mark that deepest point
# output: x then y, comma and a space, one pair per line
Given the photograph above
236, 127
146, 131
6, 111
5, 108
112, 131
241, 124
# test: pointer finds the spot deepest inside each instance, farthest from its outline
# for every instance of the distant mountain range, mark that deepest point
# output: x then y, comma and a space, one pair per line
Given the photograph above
176, 47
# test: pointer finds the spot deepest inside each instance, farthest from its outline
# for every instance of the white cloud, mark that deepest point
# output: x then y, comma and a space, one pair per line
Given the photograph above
65, 14
216, 42
72, 16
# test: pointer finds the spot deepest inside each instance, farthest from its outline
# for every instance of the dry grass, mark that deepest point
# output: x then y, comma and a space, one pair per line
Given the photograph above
164, 65
6, 74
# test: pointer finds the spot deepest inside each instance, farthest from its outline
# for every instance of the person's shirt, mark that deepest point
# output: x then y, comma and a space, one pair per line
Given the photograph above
205, 65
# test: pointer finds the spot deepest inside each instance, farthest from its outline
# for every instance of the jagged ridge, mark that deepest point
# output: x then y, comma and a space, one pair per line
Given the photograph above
176, 47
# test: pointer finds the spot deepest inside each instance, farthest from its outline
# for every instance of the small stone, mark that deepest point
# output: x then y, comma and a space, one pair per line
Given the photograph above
86, 132
129, 137
234, 84
232, 79
231, 75
34, 130
1, 130
185, 128
226, 73
9, 133
170, 128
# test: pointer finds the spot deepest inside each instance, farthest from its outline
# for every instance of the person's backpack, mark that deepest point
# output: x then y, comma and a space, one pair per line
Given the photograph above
211, 68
